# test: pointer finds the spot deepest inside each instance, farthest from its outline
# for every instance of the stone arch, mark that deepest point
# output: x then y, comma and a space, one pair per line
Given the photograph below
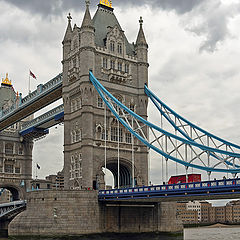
16, 191
125, 176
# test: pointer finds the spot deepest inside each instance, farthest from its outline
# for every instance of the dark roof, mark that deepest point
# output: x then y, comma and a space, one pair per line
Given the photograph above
104, 18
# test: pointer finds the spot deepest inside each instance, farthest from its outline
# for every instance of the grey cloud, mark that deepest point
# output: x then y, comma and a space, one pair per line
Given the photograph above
56, 7
212, 19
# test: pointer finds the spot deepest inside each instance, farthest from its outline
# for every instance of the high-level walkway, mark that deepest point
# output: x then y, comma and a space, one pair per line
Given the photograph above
40, 98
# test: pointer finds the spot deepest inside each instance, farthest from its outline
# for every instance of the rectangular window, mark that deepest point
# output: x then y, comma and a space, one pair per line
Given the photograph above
17, 169
120, 48
103, 134
9, 149
1, 169
105, 63
128, 138
126, 68
99, 102
8, 168
114, 134
119, 66
112, 64
112, 46
20, 151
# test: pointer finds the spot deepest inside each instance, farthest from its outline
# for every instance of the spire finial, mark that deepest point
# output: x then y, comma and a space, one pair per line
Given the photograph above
87, 3
69, 17
141, 21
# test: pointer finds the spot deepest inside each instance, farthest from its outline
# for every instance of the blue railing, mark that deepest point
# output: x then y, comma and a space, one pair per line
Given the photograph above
43, 118
40, 91
216, 187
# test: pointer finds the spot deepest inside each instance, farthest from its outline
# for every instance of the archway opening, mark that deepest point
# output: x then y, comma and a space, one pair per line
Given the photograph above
9, 194
125, 175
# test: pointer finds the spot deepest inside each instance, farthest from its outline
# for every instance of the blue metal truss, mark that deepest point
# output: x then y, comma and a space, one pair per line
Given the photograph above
140, 129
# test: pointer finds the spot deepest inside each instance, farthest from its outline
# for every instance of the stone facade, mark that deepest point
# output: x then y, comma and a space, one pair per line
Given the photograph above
78, 212
15, 152
101, 46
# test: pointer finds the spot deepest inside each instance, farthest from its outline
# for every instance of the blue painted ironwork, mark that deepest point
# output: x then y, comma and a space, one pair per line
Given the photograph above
116, 107
206, 188
54, 114
42, 90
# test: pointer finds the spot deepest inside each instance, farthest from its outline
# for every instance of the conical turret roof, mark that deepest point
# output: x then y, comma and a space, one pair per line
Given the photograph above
141, 40
87, 20
68, 33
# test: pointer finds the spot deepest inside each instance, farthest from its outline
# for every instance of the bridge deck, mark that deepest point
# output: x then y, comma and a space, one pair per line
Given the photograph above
218, 189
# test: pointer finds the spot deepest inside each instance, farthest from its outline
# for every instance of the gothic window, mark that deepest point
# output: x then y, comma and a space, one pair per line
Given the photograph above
112, 64
78, 135
119, 48
114, 134
74, 62
79, 103
128, 137
103, 134
73, 106
126, 68
119, 66
99, 102
8, 168
76, 166
9, 149
17, 169
73, 136
105, 63
112, 46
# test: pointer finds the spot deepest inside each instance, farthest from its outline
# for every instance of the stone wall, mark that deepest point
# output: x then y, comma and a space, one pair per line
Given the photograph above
58, 213
69, 212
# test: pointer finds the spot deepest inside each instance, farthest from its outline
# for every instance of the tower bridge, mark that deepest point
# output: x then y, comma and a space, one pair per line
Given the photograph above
104, 88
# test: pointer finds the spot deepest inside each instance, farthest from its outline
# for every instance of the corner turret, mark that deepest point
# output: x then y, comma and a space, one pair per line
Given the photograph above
87, 42
141, 44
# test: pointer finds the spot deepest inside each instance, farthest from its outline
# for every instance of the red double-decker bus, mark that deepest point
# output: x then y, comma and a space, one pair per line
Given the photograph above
182, 178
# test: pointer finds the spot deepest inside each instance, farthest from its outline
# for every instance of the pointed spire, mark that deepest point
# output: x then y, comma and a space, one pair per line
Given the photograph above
69, 29
87, 20
141, 40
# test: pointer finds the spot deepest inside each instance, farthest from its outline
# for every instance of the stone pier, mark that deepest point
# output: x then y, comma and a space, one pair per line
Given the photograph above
68, 212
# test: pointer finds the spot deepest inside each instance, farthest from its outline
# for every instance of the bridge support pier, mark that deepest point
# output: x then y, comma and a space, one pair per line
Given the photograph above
59, 213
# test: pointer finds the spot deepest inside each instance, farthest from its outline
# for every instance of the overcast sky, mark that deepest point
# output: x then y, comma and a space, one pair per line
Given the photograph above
194, 51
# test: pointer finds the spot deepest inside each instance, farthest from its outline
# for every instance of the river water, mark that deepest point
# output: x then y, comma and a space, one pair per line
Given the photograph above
203, 233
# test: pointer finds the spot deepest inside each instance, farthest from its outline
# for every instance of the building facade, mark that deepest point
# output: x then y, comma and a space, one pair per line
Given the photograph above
15, 152
207, 214
100, 45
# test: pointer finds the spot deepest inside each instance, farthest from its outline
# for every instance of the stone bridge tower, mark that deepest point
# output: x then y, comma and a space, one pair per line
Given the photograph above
100, 45
15, 152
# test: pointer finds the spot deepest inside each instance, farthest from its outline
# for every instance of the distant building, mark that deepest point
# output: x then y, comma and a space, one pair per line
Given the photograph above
56, 180
206, 213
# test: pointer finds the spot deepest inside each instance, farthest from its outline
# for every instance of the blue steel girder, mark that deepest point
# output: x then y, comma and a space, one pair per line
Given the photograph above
191, 131
201, 152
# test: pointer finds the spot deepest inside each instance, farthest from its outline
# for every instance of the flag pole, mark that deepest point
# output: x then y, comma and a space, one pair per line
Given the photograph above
36, 171
29, 91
